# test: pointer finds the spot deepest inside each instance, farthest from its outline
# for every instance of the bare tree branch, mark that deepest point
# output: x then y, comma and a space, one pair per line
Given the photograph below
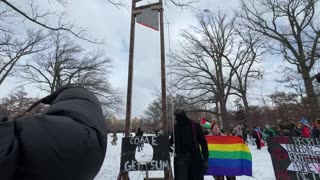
117, 3
293, 32
183, 3
211, 63
67, 63
12, 50
34, 18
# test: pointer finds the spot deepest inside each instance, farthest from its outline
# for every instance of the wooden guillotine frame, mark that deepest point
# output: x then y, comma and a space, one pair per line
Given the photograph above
134, 12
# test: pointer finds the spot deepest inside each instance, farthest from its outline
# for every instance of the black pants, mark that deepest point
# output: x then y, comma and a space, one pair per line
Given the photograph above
182, 166
140, 146
245, 139
258, 142
184, 169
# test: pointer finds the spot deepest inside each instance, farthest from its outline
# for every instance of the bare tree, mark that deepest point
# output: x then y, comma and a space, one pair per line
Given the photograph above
215, 60
18, 103
68, 63
14, 47
153, 113
34, 15
293, 30
38, 18
289, 107
198, 67
292, 80
247, 56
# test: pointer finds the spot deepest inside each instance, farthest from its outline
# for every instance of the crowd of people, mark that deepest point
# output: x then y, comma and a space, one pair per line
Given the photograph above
191, 136
298, 129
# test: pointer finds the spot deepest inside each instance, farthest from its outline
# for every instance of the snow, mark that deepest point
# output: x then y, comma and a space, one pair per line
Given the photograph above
261, 164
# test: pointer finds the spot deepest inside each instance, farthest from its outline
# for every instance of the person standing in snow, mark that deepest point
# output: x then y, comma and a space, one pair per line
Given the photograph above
237, 131
268, 131
315, 130
257, 135
215, 131
66, 142
115, 139
139, 133
190, 163
294, 130
305, 131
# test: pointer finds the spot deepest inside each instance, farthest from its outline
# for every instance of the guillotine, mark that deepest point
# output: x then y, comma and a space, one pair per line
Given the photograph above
136, 11
150, 15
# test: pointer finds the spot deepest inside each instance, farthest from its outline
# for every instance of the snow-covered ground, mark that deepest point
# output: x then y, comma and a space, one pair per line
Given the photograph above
262, 165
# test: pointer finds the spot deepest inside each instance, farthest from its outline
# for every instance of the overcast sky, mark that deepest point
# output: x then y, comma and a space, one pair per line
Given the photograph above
111, 24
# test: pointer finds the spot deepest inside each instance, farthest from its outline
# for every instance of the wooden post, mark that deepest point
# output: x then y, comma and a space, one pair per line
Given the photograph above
163, 74
163, 82
147, 172
125, 175
130, 71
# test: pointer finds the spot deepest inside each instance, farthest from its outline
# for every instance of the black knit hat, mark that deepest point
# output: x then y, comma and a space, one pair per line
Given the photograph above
179, 112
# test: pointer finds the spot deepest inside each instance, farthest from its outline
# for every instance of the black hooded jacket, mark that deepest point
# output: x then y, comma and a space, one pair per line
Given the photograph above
139, 132
67, 142
189, 139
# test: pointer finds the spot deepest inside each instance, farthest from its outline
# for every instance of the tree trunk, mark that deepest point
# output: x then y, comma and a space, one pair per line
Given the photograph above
247, 120
311, 95
224, 119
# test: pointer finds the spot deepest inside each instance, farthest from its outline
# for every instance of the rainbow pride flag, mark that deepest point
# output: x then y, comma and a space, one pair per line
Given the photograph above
228, 156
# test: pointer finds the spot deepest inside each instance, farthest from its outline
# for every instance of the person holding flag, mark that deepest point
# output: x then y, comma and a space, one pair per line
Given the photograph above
215, 131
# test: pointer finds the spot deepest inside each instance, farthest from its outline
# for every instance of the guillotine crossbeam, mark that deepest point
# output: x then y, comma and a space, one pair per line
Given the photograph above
155, 6
152, 6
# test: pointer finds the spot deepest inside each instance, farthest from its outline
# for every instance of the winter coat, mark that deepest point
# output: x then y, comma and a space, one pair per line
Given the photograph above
139, 132
269, 132
67, 142
237, 131
295, 132
189, 138
256, 134
315, 132
244, 134
305, 132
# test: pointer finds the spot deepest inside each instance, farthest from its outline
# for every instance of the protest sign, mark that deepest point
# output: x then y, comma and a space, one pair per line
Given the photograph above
160, 160
295, 157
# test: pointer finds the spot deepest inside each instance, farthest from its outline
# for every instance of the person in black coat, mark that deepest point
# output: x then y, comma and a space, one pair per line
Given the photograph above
67, 142
139, 133
315, 131
190, 163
